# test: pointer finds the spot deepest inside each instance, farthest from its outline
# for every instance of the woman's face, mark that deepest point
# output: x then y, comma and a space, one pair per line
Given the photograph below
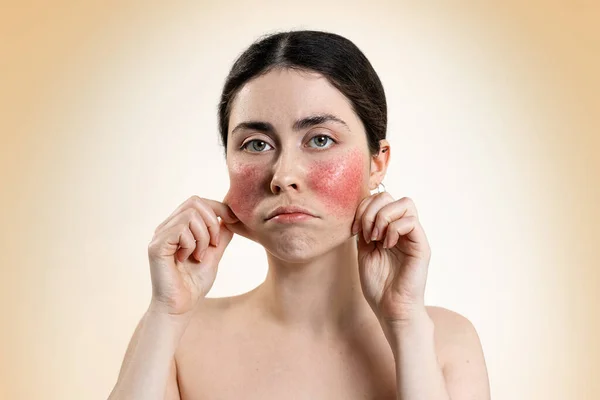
294, 140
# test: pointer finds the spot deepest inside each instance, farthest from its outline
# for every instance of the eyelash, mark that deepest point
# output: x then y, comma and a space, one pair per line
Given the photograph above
245, 145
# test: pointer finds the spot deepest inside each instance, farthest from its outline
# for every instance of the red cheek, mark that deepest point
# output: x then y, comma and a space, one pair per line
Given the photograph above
246, 189
339, 182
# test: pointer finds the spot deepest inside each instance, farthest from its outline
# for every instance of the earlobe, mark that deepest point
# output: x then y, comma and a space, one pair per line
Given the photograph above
379, 163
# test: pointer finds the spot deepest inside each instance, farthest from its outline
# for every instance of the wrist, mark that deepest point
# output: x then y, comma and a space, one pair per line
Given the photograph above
408, 331
418, 319
158, 311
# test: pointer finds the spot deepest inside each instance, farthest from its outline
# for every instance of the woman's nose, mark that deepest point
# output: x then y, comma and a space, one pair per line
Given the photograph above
287, 174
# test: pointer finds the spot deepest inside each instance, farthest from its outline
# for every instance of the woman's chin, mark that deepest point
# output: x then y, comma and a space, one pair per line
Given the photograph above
292, 249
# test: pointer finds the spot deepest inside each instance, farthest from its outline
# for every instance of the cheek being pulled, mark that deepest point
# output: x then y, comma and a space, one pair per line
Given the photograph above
246, 190
339, 182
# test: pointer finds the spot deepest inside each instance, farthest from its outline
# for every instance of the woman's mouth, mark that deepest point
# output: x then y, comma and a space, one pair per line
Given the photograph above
289, 214
291, 217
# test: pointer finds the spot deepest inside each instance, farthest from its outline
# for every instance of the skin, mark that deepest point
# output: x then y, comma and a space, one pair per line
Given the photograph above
336, 182
332, 319
291, 169
308, 262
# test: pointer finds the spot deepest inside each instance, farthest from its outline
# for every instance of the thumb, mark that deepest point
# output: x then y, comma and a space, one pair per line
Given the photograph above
364, 248
241, 229
234, 224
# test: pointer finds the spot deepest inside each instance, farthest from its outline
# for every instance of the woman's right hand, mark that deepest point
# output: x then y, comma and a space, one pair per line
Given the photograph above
185, 252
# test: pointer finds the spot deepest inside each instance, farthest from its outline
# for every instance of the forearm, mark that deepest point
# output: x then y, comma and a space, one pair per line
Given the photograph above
147, 362
418, 373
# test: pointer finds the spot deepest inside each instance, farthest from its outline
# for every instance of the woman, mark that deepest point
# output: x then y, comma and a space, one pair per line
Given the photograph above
341, 313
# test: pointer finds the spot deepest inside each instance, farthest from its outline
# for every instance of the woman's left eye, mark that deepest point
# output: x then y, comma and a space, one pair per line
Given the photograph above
321, 141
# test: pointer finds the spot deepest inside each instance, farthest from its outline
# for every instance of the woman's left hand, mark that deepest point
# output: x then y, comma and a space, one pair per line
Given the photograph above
393, 258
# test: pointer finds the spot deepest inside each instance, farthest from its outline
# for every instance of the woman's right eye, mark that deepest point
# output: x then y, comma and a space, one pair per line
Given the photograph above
256, 146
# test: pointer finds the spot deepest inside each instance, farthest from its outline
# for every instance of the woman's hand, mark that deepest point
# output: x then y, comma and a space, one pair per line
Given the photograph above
393, 257
185, 251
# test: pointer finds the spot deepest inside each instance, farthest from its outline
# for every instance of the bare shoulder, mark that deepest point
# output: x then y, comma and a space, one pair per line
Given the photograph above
207, 344
449, 325
213, 326
216, 319
460, 354
217, 311
453, 331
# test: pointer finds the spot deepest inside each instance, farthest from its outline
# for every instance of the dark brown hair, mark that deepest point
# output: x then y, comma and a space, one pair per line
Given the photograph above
333, 56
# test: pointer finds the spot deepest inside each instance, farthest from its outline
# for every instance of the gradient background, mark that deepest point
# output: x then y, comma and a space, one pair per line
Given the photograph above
108, 122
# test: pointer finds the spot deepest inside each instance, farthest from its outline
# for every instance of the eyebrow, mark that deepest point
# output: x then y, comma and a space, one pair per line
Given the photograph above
300, 124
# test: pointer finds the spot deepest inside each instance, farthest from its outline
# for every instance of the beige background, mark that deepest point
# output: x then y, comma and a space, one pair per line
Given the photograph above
108, 122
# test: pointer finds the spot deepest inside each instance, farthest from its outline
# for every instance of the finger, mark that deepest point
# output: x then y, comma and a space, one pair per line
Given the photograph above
183, 206
411, 229
206, 207
201, 235
370, 214
167, 242
409, 204
241, 229
209, 210
187, 245
214, 257
357, 224
237, 227
390, 213
222, 210
176, 241
363, 247
189, 215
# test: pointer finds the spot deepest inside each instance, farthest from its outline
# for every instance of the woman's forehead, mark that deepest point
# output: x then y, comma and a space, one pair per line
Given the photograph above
283, 96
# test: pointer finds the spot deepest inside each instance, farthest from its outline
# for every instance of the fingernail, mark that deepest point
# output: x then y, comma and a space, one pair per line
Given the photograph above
354, 227
367, 239
202, 254
375, 234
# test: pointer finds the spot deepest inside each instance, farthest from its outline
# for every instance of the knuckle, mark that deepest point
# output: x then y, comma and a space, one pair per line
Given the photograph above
394, 225
192, 213
409, 204
382, 219
364, 203
182, 228
153, 246
407, 200
197, 201
369, 217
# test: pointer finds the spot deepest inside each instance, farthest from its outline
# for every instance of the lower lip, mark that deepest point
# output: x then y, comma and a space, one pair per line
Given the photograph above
292, 217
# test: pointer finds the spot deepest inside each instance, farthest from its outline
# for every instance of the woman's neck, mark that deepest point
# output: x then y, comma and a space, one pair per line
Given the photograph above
320, 297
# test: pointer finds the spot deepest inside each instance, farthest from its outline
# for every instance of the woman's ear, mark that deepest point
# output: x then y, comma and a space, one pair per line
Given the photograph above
379, 164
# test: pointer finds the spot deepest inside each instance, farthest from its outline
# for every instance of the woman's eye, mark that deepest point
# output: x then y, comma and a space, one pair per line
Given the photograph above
256, 146
321, 141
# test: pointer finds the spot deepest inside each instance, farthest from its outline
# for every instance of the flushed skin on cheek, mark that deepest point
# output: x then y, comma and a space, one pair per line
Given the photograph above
338, 182
247, 188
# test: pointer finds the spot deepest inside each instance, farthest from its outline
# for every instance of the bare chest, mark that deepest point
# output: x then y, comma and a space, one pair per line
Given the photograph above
261, 367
